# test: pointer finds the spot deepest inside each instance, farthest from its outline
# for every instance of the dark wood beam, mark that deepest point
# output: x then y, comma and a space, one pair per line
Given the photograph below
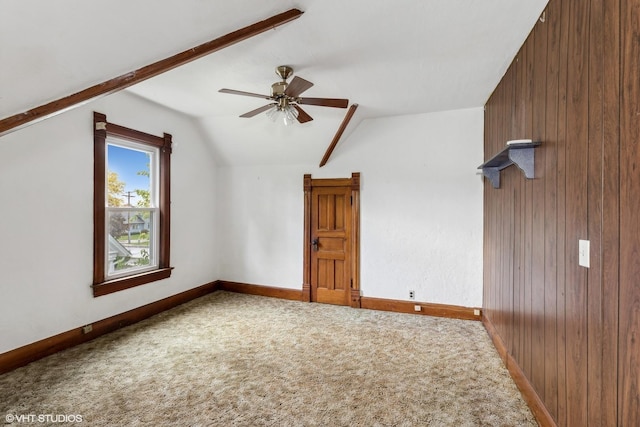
336, 138
105, 88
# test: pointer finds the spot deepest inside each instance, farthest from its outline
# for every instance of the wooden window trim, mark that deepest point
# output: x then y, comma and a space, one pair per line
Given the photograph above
101, 130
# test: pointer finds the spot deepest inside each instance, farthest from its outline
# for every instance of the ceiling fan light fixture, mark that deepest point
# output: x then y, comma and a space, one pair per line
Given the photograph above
272, 113
287, 115
290, 115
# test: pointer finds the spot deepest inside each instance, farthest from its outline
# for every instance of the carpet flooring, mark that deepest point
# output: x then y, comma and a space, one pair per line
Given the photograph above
240, 360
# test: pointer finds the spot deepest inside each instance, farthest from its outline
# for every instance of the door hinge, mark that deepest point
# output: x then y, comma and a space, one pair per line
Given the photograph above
351, 200
351, 283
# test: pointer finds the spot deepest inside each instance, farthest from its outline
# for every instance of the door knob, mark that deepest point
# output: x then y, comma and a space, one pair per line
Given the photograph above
314, 244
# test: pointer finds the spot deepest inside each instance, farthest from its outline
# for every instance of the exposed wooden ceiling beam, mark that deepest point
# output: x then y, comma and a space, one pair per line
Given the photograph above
336, 138
105, 88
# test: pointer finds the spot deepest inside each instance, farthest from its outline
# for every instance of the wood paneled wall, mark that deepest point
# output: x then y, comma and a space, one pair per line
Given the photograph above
574, 331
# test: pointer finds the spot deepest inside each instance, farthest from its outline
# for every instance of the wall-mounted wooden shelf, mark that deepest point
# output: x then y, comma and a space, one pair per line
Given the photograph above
521, 153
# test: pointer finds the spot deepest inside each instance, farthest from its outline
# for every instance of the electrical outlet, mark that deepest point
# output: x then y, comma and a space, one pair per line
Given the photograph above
583, 253
417, 308
412, 294
476, 312
86, 329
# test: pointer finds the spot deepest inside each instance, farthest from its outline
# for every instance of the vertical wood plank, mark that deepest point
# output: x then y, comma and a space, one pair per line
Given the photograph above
494, 245
594, 214
486, 246
576, 210
629, 338
528, 207
517, 111
500, 225
610, 211
507, 200
562, 213
500, 232
538, 109
519, 128
553, 19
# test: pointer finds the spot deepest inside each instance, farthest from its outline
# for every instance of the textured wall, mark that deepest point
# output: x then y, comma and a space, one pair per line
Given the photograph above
46, 178
421, 204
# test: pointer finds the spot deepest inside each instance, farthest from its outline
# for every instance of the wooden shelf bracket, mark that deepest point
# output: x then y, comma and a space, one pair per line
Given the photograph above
520, 153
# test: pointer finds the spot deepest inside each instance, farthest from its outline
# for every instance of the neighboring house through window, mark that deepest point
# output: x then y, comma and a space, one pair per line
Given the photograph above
131, 207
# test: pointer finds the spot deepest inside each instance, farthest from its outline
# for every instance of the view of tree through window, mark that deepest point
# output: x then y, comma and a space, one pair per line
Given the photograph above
130, 208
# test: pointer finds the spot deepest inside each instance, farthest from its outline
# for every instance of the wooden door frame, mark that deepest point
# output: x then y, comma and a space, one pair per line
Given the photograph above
354, 183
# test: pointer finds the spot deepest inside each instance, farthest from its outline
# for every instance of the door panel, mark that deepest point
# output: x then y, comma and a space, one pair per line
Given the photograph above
333, 246
331, 211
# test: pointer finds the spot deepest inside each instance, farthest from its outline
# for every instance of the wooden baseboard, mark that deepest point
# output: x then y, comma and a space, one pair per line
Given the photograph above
429, 309
31, 352
440, 310
265, 291
529, 394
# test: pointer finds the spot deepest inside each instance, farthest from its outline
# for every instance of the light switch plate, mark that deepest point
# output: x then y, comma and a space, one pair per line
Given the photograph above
583, 253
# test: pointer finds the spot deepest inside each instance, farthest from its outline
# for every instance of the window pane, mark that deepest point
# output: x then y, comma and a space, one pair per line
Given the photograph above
132, 234
131, 244
129, 177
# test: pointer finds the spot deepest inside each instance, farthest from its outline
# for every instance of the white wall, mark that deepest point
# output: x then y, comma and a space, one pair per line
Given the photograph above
421, 210
46, 220
421, 219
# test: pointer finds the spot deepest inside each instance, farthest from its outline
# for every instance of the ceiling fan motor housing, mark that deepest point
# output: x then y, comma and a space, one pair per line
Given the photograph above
278, 88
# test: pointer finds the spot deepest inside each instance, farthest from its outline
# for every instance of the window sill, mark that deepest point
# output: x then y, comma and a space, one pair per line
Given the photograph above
123, 283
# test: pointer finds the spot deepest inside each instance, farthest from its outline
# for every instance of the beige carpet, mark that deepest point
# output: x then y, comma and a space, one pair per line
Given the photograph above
239, 360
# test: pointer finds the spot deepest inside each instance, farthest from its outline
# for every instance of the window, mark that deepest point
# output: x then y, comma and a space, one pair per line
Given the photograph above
131, 207
131, 224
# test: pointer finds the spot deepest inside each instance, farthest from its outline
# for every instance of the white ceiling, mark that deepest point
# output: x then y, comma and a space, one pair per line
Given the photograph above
391, 58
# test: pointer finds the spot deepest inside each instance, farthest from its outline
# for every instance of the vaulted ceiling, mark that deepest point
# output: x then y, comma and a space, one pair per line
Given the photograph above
391, 58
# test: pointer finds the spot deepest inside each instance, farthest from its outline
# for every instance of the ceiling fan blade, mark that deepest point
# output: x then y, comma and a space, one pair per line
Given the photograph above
239, 92
297, 86
324, 102
257, 111
303, 117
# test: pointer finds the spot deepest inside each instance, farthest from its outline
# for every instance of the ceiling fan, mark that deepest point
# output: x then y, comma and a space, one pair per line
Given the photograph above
286, 99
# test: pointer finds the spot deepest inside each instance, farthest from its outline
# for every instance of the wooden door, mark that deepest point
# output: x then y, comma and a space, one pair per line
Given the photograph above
330, 244
331, 241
